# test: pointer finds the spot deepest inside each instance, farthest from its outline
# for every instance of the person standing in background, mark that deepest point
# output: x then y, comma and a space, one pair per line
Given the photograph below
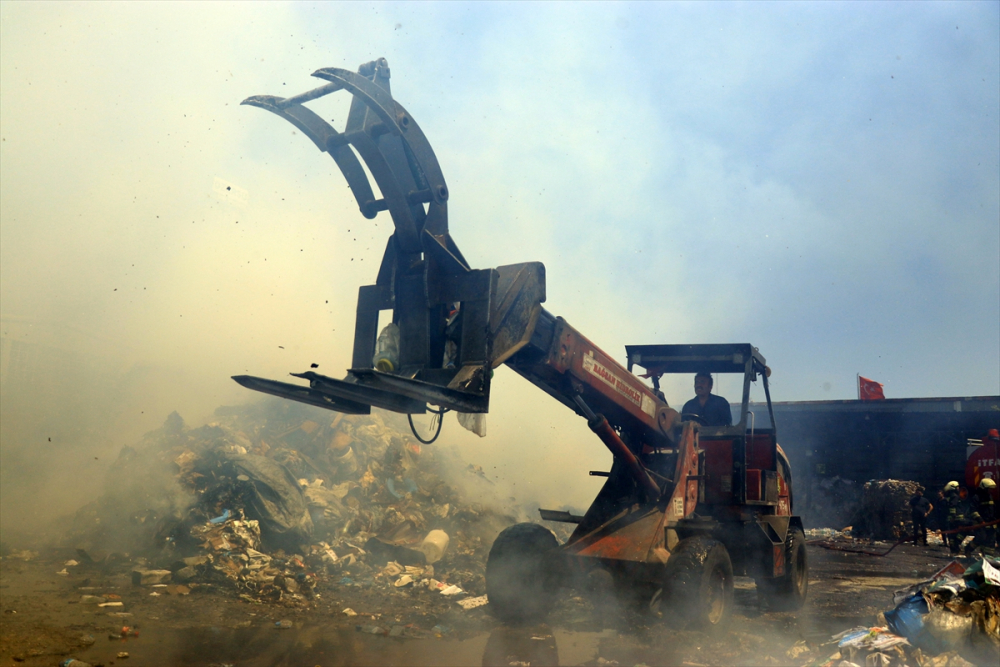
920, 507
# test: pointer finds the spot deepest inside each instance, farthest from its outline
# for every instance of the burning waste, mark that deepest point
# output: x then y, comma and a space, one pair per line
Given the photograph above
273, 497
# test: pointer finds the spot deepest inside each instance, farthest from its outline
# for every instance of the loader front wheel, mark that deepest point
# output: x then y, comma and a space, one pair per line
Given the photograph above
698, 584
788, 592
522, 573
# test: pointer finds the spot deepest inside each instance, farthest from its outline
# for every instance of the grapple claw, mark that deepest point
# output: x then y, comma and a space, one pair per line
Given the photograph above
454, 324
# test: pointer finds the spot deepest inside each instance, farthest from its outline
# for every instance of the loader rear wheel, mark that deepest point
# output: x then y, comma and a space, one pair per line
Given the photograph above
788, 592
698, 584
521, 573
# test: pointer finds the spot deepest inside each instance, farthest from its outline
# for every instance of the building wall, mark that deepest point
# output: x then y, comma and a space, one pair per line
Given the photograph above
836, 446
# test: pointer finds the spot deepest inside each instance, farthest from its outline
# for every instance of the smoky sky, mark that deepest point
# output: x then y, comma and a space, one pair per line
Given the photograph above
821, 180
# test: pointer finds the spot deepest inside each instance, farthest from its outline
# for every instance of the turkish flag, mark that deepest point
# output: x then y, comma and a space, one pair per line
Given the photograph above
869, 390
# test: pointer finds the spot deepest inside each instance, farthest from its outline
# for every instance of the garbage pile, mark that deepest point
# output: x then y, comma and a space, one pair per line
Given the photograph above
274, 497
884, 511
946, 621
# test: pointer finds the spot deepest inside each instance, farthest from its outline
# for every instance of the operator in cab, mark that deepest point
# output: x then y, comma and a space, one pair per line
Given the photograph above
712, 409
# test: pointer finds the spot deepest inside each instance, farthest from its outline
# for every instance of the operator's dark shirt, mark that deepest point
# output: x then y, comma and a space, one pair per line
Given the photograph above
715, 412
920, 505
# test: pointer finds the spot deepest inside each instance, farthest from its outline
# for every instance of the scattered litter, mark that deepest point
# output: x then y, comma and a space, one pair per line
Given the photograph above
798, 649
225, 515
350, 612
150, 577
279, 498
283, 624
111, 604
934, 623
435, 545
472, 603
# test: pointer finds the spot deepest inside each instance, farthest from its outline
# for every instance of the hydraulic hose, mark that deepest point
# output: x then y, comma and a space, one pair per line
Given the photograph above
599, 425
413, 429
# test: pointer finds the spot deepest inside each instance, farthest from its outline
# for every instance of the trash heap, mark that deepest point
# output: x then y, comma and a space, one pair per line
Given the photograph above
884, 510
273, 497
946, 621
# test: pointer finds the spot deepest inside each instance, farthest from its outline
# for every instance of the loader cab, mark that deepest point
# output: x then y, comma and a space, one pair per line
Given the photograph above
742, 464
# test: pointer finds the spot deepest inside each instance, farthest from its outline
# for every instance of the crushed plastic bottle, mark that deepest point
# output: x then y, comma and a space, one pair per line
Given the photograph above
386, 357
435, 545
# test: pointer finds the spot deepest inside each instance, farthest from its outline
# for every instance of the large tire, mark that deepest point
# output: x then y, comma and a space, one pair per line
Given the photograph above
521, 575
698, 584
788, 592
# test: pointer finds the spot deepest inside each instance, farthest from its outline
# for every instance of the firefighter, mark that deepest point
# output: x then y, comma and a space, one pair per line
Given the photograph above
956, 516
984, 511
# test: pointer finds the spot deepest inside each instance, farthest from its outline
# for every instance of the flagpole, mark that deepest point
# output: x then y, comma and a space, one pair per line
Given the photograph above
857, 384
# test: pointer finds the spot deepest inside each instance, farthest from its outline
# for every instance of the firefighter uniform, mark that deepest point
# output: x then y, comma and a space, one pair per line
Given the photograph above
956, 516
984, 511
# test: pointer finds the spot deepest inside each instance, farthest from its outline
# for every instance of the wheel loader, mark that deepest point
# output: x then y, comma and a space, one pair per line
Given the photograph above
684, 507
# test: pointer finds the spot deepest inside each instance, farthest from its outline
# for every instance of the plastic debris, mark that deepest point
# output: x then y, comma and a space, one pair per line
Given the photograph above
472, 603
435, 545
225, 515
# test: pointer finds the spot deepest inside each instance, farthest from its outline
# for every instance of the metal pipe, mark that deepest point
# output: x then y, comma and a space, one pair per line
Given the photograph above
599, 425
310, 95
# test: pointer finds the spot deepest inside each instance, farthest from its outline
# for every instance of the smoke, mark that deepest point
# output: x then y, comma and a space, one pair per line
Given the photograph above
157, 238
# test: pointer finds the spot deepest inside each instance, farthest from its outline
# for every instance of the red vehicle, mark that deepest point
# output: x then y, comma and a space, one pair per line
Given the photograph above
984, 463
685, 506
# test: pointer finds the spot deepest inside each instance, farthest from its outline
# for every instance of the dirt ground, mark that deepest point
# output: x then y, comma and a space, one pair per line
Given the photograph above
44, 622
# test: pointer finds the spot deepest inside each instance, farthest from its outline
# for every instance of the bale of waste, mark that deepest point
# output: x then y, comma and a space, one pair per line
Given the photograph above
884, 510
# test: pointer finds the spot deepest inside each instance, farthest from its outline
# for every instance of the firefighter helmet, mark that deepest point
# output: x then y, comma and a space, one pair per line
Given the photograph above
951, 486
987, 483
